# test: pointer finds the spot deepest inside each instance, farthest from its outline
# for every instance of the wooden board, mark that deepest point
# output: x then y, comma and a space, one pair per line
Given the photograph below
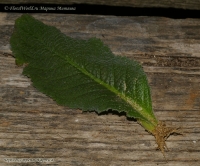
34, 126
182, 4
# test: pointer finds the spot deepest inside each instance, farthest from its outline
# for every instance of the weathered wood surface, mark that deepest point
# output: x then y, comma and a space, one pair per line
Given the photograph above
184, 4
34, 126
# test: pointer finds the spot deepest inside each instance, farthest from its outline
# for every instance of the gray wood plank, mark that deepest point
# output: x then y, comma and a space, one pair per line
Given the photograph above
182, 4
34, 126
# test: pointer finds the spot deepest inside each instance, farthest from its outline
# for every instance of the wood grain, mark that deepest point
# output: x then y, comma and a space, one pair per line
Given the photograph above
183, 4
34, 126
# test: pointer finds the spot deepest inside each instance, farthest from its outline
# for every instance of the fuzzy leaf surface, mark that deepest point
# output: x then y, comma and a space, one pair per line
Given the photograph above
78, 73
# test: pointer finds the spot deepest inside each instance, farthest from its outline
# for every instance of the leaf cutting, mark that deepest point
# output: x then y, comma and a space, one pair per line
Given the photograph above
84, 74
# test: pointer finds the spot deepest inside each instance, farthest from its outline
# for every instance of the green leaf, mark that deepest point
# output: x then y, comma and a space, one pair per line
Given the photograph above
81, 74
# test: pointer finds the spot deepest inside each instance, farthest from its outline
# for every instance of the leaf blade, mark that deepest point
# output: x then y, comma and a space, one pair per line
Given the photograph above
81, 73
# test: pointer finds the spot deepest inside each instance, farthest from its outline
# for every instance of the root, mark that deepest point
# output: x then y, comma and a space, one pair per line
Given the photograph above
161, 133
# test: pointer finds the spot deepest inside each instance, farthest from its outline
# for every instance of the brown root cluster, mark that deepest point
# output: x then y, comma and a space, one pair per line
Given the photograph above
161, 133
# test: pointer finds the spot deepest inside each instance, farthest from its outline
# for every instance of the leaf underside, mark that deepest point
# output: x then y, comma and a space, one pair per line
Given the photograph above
81, 74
